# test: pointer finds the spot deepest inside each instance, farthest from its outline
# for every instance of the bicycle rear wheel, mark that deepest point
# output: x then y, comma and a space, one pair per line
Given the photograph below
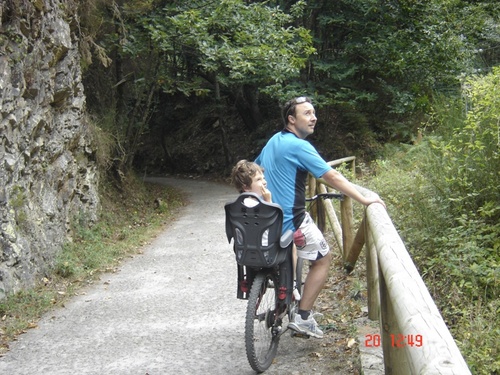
261, 333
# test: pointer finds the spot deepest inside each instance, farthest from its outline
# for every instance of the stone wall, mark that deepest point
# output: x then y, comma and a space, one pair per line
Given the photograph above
48, 174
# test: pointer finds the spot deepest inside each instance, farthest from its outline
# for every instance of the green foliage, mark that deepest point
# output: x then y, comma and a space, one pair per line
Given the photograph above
474, 150
418, 43
377, 65
236, 42
458, 257
387, 59
478, 337
219, 54
233, 42
102, 140
27, 307
443, 195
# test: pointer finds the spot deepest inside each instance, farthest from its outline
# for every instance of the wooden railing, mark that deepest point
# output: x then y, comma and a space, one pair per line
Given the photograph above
414, 336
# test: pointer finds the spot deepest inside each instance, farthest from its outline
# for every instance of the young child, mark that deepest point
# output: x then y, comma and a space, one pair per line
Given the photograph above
248, 176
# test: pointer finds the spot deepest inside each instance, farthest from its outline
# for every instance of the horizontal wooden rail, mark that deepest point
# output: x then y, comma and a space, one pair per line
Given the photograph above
415, 338
406, 307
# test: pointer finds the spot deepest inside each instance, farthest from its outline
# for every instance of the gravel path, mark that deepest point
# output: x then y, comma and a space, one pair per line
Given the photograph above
171, 310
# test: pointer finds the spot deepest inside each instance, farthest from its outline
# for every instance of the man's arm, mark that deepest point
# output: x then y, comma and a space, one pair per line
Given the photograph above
339, 182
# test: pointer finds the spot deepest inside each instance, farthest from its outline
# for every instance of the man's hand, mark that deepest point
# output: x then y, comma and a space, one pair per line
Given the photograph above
375, 200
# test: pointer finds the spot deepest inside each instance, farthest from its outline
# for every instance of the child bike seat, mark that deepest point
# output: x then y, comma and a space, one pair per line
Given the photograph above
256, 228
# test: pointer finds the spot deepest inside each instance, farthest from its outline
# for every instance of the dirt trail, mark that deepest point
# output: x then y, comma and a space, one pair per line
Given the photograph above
170, 310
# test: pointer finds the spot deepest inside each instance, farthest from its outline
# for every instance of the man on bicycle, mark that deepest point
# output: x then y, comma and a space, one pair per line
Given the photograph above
287, 159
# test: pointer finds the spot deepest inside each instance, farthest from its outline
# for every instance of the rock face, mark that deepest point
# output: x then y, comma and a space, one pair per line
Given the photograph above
48, 173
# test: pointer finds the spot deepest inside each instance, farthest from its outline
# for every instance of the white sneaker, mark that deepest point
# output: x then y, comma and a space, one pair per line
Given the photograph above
306, 327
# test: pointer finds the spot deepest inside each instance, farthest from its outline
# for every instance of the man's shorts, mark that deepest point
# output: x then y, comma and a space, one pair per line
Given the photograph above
310, 242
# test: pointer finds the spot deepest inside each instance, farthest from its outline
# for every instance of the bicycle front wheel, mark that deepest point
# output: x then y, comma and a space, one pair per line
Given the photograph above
261, 332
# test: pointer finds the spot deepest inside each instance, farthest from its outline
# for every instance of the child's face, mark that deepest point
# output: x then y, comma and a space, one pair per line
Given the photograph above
259, 184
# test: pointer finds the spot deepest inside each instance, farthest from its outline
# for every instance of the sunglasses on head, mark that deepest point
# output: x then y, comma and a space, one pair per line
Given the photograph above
300, 99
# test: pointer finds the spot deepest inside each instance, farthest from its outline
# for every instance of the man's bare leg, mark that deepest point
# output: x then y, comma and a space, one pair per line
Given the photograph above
315, 280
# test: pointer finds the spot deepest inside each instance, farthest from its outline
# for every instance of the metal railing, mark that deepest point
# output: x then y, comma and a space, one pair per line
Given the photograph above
413, 334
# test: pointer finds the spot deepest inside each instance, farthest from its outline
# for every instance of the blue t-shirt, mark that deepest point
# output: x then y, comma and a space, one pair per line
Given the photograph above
286, 160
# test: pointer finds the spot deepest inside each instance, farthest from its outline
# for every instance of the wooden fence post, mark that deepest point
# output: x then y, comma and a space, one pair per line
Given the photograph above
346, 218
357, 246
395, 360
312, 186
372, 276
346, 222
333, 219
320, 209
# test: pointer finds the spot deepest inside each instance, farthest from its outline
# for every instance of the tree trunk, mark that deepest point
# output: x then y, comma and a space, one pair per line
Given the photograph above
247, 104
225, 143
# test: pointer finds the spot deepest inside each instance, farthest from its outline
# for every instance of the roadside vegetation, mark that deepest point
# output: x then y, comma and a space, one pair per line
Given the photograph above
132, 214
443, 195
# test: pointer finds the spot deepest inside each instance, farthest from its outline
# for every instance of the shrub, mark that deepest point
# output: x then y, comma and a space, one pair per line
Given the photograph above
472, 153
442, 194
457, 256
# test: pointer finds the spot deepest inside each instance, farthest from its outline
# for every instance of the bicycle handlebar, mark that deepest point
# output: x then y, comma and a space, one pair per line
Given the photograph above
338, 196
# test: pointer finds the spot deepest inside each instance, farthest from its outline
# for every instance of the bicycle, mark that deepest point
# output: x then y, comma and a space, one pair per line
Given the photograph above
266, 274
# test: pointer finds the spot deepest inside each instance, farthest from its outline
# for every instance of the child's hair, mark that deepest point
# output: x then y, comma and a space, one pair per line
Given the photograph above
243, 173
